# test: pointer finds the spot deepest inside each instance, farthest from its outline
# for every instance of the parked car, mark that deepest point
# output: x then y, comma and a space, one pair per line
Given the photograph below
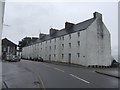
35, 59
16, 58
8, 57
40, 59
13, 58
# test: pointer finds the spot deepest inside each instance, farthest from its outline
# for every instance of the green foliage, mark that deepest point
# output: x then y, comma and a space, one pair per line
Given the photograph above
24, 42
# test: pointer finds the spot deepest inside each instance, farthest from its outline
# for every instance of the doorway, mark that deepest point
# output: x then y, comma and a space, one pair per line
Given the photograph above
69, 58
49, 57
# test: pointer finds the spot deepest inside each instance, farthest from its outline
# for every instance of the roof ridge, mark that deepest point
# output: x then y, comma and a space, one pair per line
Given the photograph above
9, 41
62, 32
85, 21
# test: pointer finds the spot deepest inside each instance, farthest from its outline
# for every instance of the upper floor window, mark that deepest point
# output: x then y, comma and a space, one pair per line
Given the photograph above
46, 42
78, 34
54, 55
60, 38
62, 46
41, 43
69, 45
55, 39
78, 54
50, 47
78, 43
55, 47
50, 41
70, 36
63, 37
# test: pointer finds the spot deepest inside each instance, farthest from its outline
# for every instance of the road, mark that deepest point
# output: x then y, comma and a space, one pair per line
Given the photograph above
60, 76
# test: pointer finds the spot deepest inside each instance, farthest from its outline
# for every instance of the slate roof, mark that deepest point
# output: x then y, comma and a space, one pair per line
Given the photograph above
76, 27
7, 42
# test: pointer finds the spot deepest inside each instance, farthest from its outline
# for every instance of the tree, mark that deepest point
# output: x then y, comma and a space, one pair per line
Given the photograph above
24, 42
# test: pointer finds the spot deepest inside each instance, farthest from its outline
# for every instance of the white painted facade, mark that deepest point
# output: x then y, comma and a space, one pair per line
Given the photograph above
91, 46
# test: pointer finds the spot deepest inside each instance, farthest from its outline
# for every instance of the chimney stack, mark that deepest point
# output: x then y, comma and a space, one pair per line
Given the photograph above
97, 15
68, 25
41, 35
52, 31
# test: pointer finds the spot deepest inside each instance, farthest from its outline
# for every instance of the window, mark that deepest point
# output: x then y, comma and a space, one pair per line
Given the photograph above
46, 42
78, 43
46, 48
50, 47
41, 43
60, 38
62, 56
63, 37
70, 36
62, 46
41, 48
55, 39
4, 49
54, 55
50, 41
55, 47
69, 45
78, 34
78, 54
69, 58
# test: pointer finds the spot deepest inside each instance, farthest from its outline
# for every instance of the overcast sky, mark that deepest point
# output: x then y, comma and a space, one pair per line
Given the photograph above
31, 18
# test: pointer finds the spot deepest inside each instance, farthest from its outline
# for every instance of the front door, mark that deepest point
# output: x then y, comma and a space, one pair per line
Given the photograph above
69, 58
49, 57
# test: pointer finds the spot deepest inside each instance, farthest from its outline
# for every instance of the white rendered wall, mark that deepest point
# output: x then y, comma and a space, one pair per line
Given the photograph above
93, 49
107, 47
98, 49
92, 45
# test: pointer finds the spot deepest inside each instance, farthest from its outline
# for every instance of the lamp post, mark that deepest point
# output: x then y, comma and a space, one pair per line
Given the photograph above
2, 4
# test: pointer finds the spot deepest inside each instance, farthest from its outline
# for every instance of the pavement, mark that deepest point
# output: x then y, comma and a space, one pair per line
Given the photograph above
15, 76
112, 73
53, 75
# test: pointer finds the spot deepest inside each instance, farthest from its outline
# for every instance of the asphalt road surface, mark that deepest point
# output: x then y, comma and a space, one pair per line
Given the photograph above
57, 76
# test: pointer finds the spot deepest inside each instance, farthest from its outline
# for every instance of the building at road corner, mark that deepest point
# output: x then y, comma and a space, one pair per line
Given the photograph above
86, 43
2, 4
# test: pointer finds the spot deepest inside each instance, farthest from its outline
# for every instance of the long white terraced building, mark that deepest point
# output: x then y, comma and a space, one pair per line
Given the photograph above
86, 43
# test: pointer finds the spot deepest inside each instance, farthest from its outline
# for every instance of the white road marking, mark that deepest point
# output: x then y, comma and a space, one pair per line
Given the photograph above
79, 78
59, 69
93, 71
